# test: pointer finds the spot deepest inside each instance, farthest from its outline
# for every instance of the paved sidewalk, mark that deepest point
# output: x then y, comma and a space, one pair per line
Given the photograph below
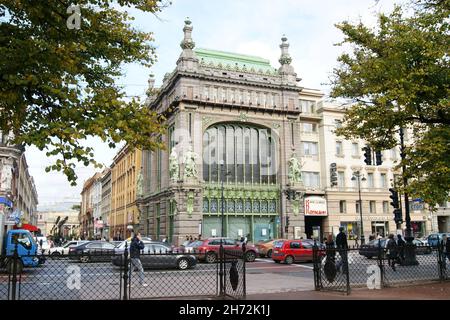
431, 291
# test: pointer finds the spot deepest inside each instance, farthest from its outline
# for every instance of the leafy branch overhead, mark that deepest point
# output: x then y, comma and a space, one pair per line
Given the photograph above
57, 85
397, 75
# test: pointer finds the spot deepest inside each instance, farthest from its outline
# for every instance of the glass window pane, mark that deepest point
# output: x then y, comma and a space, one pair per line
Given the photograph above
206, 156
248, 169
255, 206
205, 205
222, 153
230, 153
248, 206
239, 206
239, 156
255, 156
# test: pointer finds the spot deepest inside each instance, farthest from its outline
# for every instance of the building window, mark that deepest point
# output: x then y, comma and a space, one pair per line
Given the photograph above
338, 123
205, 205
248, 153
309, 148
342, 206
341, 178
311, 179
385, 207
372, 207
307, 106
339, 148
383, 180
355, 149
309, 127
357, 206
370, 181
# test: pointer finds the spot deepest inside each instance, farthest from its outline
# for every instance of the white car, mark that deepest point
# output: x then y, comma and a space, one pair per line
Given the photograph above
64, 250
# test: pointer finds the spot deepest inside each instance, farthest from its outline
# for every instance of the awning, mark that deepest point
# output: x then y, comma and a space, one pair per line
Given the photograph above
28, 227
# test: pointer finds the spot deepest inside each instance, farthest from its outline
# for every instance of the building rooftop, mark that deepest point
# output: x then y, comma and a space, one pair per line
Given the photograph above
234, 61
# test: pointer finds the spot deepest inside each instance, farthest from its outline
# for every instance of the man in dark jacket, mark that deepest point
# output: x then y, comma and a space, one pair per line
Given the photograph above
135, 253
342, 246
401, 247
392, 251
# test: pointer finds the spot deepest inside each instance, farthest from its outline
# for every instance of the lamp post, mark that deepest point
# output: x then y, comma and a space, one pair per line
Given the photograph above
222, 177
357, 175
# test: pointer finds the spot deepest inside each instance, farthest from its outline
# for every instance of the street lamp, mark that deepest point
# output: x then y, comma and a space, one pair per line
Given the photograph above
357, 175
222, 177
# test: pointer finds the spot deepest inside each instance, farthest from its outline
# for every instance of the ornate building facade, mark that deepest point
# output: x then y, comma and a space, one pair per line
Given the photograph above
233, 127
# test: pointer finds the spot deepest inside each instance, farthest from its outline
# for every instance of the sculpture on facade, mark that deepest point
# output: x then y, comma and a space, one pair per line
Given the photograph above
140, 184
189, 160
174, 168
294, 169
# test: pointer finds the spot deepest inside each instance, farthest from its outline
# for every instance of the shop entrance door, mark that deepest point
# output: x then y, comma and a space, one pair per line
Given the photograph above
380, 228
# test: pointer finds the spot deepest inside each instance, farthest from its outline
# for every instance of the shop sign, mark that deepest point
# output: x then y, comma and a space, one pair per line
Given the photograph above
315, 206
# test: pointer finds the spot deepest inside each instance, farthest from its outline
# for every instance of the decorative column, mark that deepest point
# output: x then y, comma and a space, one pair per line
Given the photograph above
187, 60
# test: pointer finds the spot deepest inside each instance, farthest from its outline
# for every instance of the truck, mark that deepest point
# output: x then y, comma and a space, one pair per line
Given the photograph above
27, 248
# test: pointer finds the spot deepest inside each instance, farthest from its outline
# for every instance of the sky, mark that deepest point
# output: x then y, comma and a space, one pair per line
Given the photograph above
253, 27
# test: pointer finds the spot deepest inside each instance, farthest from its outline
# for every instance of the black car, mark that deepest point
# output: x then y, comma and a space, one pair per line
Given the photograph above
370, 249
160, 256
92, 251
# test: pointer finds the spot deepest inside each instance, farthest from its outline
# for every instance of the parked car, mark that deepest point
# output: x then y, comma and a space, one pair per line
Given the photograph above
160, 256
64, 250
265, 248
92, 251
370, 249
436, 238
290, 251
120, 249
209, 249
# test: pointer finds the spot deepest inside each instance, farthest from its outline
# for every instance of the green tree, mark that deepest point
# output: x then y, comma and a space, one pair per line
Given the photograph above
58, 84
397, 76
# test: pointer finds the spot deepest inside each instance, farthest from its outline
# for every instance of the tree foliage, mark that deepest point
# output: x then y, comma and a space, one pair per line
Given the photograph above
397, 75
58, 85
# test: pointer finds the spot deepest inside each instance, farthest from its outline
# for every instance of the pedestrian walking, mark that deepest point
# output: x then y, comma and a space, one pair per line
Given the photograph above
392, 251
342, 247
401, 248
356, 241
379, 236
135, 254
330, 248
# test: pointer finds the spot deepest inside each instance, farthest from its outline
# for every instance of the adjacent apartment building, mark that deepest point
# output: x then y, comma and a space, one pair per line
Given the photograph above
18, 195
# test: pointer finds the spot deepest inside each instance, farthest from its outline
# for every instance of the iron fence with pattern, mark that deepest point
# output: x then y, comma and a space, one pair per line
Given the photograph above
106, 276
376, 267
234, 275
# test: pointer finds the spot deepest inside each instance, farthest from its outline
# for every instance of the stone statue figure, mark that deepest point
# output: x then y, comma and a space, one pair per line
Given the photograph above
294, 169
174, 168
189, 160
5, 177
140, 184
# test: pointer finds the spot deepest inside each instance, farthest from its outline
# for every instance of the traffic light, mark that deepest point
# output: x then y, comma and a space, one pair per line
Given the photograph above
333, 175
394, 198
398, 216
378, 158
367, 155
286, 226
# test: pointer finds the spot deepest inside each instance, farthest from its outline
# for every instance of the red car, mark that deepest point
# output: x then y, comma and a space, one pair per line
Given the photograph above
290, 251
208, 249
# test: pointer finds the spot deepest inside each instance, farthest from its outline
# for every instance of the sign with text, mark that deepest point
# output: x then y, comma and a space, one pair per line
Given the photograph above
315, 206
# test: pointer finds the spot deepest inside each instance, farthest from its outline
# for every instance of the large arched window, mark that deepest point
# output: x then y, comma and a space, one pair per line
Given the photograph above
247, 153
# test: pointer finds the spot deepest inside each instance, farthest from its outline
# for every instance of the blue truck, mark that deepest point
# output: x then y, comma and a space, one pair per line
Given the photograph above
27, 249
